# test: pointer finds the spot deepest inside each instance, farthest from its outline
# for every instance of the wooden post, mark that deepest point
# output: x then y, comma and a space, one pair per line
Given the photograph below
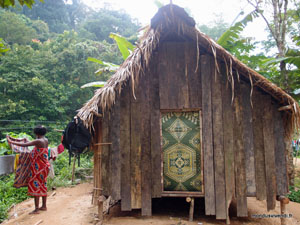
192, 205
99, 155
283, 201
73, 169
100, 207
227, 220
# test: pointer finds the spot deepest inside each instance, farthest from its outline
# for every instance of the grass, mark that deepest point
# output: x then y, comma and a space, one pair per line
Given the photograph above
295, 190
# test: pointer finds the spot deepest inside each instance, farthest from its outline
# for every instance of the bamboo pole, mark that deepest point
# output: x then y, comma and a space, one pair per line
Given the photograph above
108, 143
98, 172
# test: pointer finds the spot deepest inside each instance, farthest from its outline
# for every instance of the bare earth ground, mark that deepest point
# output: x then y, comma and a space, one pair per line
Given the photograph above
72, 206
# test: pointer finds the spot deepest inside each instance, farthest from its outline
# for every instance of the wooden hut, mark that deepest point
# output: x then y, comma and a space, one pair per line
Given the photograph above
185, 118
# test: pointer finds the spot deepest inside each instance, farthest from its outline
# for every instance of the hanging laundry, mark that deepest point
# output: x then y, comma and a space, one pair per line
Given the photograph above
23, 164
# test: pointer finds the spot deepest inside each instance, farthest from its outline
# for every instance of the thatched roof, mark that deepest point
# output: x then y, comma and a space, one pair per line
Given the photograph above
173, 19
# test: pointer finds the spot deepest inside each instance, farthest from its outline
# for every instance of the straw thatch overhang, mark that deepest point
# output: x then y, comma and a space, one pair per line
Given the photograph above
172, 20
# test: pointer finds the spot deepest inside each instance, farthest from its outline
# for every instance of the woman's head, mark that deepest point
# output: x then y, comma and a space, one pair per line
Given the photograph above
40, 130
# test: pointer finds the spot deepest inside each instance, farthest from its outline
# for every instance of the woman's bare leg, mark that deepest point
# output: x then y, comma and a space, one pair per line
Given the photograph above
44, 205
36, 204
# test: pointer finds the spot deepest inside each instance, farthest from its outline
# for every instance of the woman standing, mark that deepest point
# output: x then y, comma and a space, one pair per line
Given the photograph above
39, 168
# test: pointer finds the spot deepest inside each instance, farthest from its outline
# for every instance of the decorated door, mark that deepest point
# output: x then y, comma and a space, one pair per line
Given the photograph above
181, 146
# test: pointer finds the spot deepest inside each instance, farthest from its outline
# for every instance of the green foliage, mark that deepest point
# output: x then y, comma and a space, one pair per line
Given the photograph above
54, 13
292, 59
42, 30
94, 84
158, 3
7, 3
124, 46
229, 37
104, 66
42, 82
100, 24
215, 29
294, 195
9, 195
3, 48
14, 29
5, 148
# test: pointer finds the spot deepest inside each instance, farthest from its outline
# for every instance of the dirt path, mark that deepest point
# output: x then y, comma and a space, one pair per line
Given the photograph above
69, 206
72, 206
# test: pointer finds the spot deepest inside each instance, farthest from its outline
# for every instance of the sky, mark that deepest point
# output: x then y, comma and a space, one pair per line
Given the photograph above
203, 11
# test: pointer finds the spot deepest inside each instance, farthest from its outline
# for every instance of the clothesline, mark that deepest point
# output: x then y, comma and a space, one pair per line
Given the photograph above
31, 121
21, 128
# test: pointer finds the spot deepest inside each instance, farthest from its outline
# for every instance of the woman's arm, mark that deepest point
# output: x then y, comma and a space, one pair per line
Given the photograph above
31, 143
16, 139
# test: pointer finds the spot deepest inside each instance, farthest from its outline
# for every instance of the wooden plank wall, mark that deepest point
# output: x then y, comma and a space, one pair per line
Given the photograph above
97, 149
125, 148
248, 138
105, 165
269, 147
146, 166
115, 151
207, 136
218, 145
135, 150
179, 82
241, 144
239, 155
155, 129
281, 164
228, 139
258, 141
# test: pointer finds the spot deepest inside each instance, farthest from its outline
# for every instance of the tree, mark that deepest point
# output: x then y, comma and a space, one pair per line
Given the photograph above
7, 3
215, 29
41, 29
54, 13
103, 22
3, 48
125, 48
44, 83
278, 29
13, 29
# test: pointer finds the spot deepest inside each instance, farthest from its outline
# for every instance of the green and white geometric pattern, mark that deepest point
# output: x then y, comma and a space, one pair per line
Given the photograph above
181, 151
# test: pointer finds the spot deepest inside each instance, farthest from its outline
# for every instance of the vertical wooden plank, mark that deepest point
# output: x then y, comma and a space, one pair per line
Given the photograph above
192, 76
98, 155
180, 84
248, 139
174, 93
163, 77
239, 159
135, 154
146, 147
218, 146
228, 139
105, 160
115, 152
155, 128
174, 73
209, 184
97, 160
125, 139
258, 141
280, 159
268, 129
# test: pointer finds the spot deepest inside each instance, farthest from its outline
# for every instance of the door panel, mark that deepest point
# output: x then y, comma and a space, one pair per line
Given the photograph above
181, 146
